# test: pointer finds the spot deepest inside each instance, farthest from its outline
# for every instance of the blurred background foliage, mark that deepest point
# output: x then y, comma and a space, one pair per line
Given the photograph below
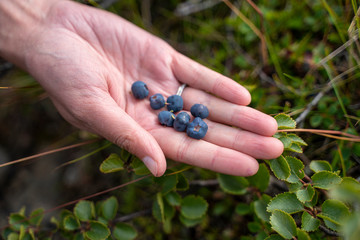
281, 51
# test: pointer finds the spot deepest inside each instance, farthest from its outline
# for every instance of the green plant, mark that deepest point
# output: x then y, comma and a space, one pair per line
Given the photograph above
304, 69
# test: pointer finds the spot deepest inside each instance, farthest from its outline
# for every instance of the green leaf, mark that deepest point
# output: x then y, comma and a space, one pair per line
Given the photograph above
13, 236
302, 235
190, 222
261, 178
112, 164
274, 237
348, 191
71, 223
305, 195
139, 167
294, 187
233, 184
350, 229
36, 217
260, 208
283, 224
16, 220
159, 207
325, 180
242, 208
78, 236
84, 210
168, 182
294, 147
296, 139
109, 208
320, 165
284, 121
193, 207
162, 211
285, 141
296, 169
98, 231
173, 198
334, 212
280, 168
254, 227
123, 231
261, 235
313, 201
309, 223
183, 183
316, 120
286, 202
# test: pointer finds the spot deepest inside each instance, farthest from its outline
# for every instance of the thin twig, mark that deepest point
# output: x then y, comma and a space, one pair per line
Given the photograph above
318, 97
133, 215
328, 231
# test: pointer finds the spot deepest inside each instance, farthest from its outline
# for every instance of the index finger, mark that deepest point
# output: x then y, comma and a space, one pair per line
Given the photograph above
198, 76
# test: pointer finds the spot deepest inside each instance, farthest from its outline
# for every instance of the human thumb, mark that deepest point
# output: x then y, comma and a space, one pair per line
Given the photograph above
114, 124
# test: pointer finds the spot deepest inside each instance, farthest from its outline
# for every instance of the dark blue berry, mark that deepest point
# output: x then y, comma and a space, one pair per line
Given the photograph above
139, 90
199, 110
157, 101
181, 121
166, 118
197, 128
175, 103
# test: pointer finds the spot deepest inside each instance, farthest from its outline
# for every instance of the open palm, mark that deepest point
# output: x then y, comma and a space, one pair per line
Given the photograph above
87, 59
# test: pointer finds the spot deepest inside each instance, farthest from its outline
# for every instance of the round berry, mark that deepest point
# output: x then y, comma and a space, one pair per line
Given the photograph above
139, 90
199, 110
197, 128
175, 103
157, 101
166, 118
181, 121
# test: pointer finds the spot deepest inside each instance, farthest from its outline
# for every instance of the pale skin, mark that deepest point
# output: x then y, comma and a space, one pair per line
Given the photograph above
86, 59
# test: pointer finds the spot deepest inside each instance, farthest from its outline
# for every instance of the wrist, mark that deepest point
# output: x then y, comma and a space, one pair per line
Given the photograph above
18, 21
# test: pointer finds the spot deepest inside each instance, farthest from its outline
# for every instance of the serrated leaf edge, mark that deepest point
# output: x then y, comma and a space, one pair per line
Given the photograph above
284, 193
327, 172
301, 142
318, 221
286, 214
304, 189
275, 172
286, 115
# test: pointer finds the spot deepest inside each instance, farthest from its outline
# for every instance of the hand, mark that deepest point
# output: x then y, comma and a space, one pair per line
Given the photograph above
87, 59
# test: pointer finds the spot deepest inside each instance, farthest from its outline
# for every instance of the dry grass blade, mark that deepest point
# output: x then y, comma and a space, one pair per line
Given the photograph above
48, 152
251, 25
326, 133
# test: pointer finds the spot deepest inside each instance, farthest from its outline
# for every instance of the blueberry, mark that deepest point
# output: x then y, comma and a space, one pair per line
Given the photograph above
197, 128
181, 121
199, 110
175, 103
157, 101
139, 90
166, 118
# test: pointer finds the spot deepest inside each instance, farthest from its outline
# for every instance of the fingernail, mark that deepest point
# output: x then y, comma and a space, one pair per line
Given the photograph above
150, 164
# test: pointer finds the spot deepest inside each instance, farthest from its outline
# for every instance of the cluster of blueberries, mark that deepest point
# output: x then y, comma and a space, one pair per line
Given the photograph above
181, 122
